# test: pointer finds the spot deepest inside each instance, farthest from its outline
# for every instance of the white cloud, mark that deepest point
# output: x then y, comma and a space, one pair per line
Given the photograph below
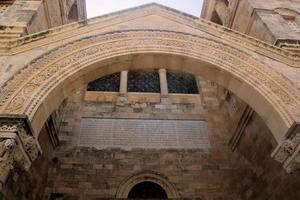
101, 7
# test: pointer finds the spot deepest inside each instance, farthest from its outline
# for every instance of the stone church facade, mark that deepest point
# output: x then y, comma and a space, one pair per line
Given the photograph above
150, 102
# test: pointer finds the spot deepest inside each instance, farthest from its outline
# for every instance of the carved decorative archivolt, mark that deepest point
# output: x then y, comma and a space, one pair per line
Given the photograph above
44, 74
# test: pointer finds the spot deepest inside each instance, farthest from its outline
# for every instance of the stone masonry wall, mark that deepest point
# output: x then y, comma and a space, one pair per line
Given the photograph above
261, 177
264, 178
89, 173
247, 173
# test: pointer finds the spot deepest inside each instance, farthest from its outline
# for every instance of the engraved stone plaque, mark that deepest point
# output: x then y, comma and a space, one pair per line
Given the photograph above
143, 133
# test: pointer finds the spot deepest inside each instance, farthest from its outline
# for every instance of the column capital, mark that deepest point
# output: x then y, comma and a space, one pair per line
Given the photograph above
18, 146
288, 151
162, 70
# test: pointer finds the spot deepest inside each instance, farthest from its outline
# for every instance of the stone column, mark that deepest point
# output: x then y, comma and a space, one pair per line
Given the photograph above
123, 84
164, 92
163, 83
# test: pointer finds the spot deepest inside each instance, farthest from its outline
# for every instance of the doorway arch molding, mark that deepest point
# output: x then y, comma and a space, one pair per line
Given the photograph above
42, 85
150, 176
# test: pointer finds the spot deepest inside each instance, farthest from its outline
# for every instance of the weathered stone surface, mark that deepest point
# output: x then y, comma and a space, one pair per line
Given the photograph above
144, 133
39, 71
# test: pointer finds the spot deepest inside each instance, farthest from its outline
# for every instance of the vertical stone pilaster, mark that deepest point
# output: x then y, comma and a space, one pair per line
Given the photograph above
123, 88
164, 92
123, 83
163, 82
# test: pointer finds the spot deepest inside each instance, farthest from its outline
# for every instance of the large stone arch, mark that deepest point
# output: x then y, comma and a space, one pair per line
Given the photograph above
50, 78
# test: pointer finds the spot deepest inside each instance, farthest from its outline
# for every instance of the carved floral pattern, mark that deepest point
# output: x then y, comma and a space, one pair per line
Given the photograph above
17, 147
46, 72
289, 153
18, 127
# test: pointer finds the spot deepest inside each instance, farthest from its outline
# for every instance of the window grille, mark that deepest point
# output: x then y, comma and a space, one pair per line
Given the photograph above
110, 83
143, 82
182, 83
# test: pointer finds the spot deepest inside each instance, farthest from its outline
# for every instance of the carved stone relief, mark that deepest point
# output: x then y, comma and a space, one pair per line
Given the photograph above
45, 73
17, 146
7, 150
288, 152
276, 88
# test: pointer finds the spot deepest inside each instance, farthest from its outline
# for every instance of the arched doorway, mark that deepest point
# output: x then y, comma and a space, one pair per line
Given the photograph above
147, 185
147, 190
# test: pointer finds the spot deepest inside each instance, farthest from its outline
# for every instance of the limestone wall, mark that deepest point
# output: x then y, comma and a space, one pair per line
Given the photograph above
77, 172
87, 173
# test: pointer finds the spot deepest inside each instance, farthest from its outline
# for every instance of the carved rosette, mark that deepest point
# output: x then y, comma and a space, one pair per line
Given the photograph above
288, 152
18, 147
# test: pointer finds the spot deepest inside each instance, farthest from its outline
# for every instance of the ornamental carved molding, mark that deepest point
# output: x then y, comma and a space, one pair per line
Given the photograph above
18, 147
44, 74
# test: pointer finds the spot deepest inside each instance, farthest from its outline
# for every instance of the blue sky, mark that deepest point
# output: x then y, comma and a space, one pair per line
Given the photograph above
101, 7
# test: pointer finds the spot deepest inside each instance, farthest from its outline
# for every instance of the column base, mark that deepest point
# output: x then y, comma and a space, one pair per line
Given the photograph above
165, 100
122, 100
